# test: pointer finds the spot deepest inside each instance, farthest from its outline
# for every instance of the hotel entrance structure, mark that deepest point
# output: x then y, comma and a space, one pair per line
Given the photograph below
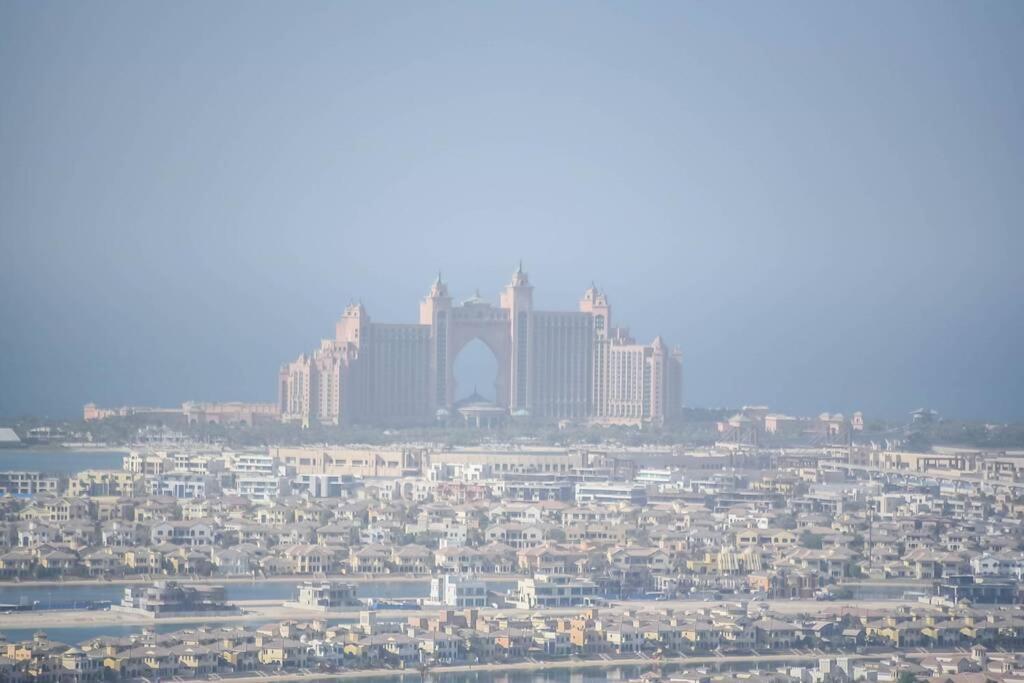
552, 365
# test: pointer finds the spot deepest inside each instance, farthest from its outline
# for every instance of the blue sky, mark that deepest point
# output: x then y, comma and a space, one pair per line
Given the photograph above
820, 202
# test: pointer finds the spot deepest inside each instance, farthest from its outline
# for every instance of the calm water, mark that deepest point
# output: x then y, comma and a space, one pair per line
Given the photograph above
592, 675
596, 675
58, 461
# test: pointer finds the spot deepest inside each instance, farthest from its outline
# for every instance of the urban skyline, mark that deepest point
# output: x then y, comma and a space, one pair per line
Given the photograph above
234, 405
825, 210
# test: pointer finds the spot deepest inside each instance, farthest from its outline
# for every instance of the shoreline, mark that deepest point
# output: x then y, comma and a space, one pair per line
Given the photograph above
557, 665
79, 448
275, 610
294, 578
260, 611
61, 448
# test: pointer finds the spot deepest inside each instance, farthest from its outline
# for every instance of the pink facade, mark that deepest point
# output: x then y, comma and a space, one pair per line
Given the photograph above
552, 365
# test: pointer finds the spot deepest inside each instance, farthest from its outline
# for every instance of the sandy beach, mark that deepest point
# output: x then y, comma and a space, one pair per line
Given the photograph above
257, 612
355, 578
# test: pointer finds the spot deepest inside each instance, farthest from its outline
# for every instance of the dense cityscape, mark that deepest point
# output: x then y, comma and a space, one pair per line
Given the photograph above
511, 342
837, 557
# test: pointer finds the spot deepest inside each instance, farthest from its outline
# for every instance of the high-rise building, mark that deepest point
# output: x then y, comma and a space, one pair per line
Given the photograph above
552, 365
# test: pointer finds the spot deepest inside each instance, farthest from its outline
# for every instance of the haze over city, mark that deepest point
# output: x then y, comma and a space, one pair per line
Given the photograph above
821, 207
575, 342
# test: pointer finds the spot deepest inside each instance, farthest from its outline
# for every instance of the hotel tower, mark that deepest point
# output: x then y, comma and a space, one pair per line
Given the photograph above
552, 365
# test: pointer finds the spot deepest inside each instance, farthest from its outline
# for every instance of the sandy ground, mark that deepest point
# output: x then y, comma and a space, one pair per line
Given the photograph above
388, 578
263, 611
777, 606
258, 611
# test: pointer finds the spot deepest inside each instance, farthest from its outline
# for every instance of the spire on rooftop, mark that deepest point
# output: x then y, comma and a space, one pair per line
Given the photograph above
519, 277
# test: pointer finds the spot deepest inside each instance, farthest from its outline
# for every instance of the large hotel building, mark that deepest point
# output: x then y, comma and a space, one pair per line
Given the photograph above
552, 365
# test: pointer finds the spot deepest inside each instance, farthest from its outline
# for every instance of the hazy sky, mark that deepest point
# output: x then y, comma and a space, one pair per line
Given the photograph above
821, 203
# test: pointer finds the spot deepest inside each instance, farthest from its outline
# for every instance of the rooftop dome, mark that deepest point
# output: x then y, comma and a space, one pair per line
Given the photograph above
474, 399
475, 300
